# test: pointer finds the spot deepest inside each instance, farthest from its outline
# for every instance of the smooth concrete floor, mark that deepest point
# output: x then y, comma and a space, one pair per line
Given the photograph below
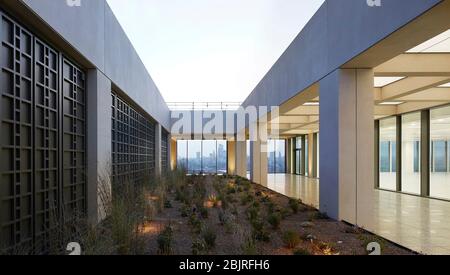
420, 224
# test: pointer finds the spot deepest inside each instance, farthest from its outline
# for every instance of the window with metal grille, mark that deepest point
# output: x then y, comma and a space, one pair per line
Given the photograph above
133, 143
42, 131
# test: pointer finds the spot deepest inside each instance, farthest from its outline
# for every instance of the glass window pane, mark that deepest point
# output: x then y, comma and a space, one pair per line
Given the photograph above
271, 156
209, 157
182, 154
388, 136
194, 156
280, 162
411, 131
439, 159
222, 157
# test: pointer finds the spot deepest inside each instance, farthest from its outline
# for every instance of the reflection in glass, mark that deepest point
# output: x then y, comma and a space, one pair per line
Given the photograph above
209, 161
411, 132
221, 157
276, 156
388, 147
202, 157
182, 154
194, 156
439, 155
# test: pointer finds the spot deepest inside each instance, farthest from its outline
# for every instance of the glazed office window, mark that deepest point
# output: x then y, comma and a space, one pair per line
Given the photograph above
222, 157
194, 156
439, 155
387, 156
411, 135
209, 156
182, 147
276, 155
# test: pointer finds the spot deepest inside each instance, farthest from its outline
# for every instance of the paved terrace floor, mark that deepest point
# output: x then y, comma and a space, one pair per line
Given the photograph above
420, 224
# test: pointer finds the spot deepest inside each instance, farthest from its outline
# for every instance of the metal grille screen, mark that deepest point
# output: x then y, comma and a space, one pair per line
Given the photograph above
164, 151
133, 142
42, 131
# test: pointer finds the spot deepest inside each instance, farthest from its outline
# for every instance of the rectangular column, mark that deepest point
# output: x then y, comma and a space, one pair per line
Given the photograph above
346, 145
259, 162
231, 157
99, 153
241, 158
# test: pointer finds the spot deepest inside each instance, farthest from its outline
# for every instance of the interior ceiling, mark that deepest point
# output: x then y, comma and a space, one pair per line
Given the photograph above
418, 79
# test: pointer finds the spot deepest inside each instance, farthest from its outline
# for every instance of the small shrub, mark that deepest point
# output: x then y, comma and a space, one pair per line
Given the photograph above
249, 247
195, 224
318, 216
204, 213
301, 252
291, 239
294, 205
259, 232
274, 220
209, 236
185, 210
165, 241
246, 199
198, 247
167, 204
252, 213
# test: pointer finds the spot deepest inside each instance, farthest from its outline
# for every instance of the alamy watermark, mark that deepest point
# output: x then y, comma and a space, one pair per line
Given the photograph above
73, 3
374, 3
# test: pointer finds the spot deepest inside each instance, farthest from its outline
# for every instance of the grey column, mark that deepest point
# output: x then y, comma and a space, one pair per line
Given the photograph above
98, 144
346, 145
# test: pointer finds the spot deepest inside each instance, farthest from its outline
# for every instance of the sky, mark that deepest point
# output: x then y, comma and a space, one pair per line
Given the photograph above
211, 50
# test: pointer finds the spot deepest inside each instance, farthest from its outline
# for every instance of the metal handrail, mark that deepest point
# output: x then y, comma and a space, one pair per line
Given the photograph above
200, 106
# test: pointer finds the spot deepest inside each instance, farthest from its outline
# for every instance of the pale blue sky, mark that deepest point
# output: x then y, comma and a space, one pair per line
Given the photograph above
211, 50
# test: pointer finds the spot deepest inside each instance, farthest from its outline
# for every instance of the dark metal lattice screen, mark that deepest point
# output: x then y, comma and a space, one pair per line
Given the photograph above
133, 142
164, 151
42, 131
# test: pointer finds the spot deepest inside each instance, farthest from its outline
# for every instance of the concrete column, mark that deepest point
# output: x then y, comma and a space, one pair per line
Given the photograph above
311, 157
158, 133
346, 145
173, 154
289, 165
241, 158
98, 144
258, 171
231, 157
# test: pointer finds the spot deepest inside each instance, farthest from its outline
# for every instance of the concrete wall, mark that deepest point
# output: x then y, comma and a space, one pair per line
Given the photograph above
339, 31
94, 32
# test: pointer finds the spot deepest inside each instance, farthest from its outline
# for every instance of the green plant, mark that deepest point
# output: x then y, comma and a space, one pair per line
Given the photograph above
249, 247
168, 204
301, 252
198, 247
204, 213
294, 205
209, 236
291, 239
195, 223
259, 232
318, 216
246, 199
274, 220
252, 213
184, 211
165, 239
